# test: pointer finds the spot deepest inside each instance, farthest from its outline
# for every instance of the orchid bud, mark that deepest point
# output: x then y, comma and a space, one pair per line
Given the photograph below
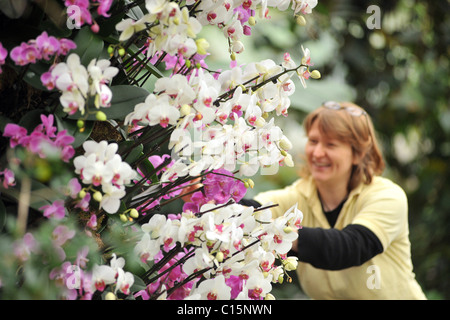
288, 160
251, 20
288, 229
82, 194
248, 183
315, 74
202, 46
237, 47
285, 144
43, 171
260, 122
95, 28
110, 296
134, 213
247, 30
123, 218
269, 296
290, 263
219, 256
97, 196
80, 124
100, 116
301, 21
185, 110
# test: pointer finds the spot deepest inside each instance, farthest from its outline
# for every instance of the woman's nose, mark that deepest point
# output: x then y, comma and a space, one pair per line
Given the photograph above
319, 151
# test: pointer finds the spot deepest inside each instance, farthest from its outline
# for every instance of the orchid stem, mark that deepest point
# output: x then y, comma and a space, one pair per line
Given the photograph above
24, 204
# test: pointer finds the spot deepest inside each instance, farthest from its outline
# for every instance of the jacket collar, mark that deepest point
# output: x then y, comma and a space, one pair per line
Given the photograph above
308, 189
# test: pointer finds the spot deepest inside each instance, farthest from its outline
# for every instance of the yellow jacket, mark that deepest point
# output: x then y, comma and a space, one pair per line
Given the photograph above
381, 207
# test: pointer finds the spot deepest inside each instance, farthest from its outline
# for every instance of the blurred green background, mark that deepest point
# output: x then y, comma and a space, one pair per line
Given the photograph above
399, 73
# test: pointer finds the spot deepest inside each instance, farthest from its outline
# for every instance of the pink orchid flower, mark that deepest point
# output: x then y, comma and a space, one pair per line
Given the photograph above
55, 210
16, 134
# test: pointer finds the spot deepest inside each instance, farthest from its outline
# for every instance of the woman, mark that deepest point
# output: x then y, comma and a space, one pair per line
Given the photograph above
354, 242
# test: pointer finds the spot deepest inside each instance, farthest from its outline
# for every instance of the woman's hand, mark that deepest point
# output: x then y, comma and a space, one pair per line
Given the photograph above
188, 191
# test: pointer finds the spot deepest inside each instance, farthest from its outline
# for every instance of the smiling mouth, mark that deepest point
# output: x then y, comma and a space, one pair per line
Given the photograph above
321, 165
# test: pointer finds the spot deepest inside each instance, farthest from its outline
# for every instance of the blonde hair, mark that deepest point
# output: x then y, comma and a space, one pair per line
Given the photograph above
349, 123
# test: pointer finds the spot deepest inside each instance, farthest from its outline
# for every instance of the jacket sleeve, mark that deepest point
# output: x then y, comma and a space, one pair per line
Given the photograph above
333, 249
250, 203
385, 213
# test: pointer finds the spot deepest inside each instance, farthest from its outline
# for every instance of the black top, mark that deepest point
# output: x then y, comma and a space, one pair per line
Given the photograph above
333, 249
333, 214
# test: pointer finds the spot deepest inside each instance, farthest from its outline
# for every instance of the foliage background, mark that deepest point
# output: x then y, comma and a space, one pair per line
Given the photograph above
400, 75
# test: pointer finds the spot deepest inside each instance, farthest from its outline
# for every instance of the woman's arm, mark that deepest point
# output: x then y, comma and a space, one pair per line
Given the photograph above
333, 249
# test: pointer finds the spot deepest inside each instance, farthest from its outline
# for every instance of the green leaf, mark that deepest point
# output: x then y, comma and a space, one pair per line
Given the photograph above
108, 25
124, 99
130, 156
31, 119
40, 194
147, 169
33, 75
135, 13
3, 122
2, 215
89, 45
72, 129
142, 59
138, 284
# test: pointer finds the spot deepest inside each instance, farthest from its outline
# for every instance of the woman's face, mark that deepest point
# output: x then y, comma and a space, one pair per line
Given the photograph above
330, 160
